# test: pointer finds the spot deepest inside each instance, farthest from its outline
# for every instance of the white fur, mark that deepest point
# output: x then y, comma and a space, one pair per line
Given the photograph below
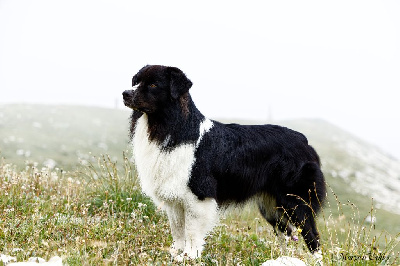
205, 126
164, 177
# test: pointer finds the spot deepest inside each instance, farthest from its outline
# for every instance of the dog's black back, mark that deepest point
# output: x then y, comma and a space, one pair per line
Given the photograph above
242, 161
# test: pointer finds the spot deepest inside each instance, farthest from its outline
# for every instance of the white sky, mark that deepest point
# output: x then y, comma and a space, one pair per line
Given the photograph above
335, 60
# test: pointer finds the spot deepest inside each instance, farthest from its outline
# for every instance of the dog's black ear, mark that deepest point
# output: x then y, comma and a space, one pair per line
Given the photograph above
179, 83
136, 78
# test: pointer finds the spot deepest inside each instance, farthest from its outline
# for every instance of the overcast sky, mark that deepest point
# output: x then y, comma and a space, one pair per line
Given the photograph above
334, 60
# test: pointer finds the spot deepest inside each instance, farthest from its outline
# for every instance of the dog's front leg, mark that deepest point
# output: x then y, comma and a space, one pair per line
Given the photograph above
176, 219
200, 218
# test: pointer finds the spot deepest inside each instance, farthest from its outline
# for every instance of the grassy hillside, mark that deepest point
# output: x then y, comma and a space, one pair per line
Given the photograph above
69, 208
98, 216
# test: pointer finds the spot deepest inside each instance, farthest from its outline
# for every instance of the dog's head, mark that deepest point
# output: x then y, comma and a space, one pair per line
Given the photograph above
158, 87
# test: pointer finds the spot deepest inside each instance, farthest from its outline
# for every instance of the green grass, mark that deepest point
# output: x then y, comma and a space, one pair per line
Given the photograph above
97, 215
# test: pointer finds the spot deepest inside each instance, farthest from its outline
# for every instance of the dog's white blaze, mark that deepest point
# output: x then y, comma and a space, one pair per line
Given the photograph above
164, 176
205, 126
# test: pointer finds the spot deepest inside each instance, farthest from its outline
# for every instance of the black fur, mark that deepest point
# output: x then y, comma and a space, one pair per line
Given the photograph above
234, 162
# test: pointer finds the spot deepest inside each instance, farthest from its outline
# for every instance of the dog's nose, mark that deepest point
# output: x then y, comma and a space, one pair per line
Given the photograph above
127, 94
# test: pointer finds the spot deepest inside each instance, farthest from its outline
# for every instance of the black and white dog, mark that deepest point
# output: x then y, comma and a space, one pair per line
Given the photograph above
192, 166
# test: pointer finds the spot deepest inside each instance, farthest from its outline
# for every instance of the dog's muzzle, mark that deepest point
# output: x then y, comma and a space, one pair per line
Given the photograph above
128, 97
131, 101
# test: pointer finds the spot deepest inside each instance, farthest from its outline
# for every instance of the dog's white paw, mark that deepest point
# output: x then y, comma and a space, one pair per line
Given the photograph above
318, 256
180, 257
175, 250
192, 255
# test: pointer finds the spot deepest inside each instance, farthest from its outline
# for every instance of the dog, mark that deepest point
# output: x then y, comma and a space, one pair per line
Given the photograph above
193, 166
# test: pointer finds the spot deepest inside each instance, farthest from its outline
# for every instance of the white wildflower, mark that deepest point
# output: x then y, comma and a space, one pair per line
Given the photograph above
142, 205
16, 250
54, 176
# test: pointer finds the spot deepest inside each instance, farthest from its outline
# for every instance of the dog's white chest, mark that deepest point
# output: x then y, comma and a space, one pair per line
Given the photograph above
163, 174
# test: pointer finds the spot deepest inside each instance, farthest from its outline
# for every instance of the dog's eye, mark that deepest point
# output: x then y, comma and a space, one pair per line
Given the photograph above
153, 86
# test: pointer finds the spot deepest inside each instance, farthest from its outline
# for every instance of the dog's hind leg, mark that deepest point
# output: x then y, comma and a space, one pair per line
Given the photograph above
200, 218
302, 217
275, 216
176, 217
306, 221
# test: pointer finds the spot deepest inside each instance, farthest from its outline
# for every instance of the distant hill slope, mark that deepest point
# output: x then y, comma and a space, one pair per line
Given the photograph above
63, 136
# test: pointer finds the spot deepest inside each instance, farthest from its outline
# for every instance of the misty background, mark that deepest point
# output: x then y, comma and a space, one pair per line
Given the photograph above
255, 60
